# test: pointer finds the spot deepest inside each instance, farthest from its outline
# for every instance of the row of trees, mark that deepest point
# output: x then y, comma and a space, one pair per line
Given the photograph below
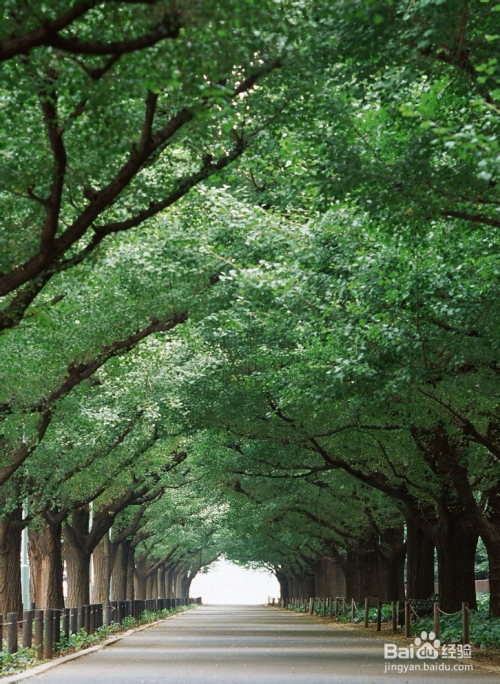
248, 296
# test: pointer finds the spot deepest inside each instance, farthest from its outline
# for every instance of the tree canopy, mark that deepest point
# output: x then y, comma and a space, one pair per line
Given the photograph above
249, 293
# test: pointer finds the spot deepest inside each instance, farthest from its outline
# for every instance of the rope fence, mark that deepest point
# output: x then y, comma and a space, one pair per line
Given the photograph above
42, 629
401, 611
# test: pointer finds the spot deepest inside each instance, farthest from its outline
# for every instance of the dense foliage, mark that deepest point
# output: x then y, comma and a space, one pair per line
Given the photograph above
249, 295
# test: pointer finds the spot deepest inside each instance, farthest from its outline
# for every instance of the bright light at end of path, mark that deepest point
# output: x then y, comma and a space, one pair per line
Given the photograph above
228, 583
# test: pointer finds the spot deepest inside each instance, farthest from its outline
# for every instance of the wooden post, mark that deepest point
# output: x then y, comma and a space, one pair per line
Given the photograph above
47, 646
330, 607
353, 610
379, 616
465, 617
367, 610
28, 628
311, 606
39, 634
56, 626
407, 619
73, 620
436, 619
344, 605
336, 607
12, 632
107, 615
80, 624
394, 616
65, 622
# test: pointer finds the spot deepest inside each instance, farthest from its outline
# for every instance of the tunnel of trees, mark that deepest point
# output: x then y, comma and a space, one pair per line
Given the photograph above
249, 296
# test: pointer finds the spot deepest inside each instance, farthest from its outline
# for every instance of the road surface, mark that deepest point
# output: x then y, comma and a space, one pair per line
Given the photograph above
251, 644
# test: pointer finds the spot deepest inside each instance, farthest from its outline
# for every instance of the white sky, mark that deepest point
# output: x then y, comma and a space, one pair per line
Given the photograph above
228, 583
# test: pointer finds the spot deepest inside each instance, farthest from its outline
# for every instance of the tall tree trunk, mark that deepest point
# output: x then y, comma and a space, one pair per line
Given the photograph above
306, 586
119, 572
420, 560
391, 564
130, 572
362, 578
169, 583
77, 558
101, 561
151, 586
10, 563
283, 582
142, 566
46, 565
456, 541
161, 582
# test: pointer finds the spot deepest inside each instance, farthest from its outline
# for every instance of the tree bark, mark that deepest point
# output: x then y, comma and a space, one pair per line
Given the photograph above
10, 565
362, 577
77, 558
456, 541
119, 572
130, 572
101, 562
391, 564
46, 565
420, 560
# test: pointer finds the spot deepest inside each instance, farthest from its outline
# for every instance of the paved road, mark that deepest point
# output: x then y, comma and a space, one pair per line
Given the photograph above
236, 644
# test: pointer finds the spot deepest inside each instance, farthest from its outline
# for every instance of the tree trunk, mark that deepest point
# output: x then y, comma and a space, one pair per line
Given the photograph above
362, 577
420, 561
77, 559
119, 572
46, 565
283, 582
169, 583
186, 584
456, 541
391, 565
10, 563
141, 578
161, 582
101, 562
130, 572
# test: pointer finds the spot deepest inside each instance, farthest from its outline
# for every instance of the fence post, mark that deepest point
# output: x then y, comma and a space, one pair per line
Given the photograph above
28, 628
436, 619
465, 617
73, 620
39, 634
367, 609
379, 616
65, 622
353, 610
330, 607
47, 646
92, 617
12, 632
336, 607
407, 619
56, 626
311, 606
107, 615
394, 616
80, 624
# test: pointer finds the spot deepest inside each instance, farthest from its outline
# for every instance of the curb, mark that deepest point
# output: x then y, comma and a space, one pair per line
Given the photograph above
40, 669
